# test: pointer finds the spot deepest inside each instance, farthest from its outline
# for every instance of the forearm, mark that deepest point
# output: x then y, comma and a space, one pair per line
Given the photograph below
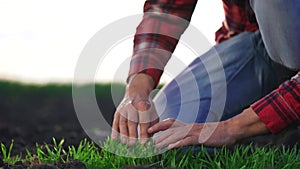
272, 113
245, 125
142, 81
157, 35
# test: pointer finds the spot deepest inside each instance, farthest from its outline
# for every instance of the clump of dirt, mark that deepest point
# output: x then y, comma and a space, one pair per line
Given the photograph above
2, 164
18, 165
73, 164
43, 166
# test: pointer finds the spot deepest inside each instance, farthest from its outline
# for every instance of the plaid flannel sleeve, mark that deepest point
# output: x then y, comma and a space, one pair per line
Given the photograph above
157, 35
281, 107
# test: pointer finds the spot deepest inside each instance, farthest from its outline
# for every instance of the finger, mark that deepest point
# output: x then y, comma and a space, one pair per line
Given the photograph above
175, 134
154, 117
172, 138
145, 119
123, 129
115, 126
158, 139
153, 112
184, 142
144, 126
132, 124
163, 125
155, 120
152, 123
144, 135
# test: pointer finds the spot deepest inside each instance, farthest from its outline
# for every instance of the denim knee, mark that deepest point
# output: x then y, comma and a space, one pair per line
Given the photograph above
280, 29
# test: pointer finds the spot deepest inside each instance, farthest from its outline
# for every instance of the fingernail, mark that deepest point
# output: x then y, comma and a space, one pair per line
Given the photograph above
158, 145
114, 136
143, 141
132, 142
124, 140
171, 146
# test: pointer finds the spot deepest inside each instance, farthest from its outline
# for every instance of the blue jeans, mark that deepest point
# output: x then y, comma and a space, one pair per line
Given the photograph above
239, 71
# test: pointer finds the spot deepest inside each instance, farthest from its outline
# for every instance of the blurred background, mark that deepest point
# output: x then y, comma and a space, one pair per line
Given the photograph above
40, 41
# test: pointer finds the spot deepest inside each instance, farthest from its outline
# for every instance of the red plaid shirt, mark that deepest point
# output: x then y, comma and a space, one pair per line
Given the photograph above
157, 36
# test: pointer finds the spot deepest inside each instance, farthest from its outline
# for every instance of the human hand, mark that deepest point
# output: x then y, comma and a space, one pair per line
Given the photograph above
213, 134
136, 108
177, 134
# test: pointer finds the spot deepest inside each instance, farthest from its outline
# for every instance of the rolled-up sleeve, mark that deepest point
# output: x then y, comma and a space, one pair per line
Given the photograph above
281, 107
164, 21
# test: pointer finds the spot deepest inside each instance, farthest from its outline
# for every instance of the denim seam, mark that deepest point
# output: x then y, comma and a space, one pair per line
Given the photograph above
264, 54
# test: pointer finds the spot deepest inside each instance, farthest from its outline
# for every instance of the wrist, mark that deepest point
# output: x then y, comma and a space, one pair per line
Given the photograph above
234, 129
141, 79
138, 91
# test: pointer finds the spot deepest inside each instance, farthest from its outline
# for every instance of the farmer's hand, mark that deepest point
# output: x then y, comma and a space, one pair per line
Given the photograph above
177, 134
136, 108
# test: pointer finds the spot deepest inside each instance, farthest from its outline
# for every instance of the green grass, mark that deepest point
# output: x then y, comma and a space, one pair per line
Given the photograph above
12, 89
6, 154
9, 88
93, 157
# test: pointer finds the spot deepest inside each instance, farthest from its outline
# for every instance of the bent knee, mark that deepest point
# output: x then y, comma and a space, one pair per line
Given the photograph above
294, 61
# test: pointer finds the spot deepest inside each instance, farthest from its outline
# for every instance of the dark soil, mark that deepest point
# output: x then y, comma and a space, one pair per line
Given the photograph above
36, 114
30, 115
73, 164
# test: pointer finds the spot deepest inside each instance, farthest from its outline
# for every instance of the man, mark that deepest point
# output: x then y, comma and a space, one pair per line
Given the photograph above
258, 47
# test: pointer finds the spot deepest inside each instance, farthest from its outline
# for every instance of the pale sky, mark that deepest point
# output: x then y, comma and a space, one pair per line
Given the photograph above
40, 41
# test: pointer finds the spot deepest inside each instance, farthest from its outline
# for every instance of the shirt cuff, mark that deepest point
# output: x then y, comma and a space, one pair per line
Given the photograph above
281, 107
268, 115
